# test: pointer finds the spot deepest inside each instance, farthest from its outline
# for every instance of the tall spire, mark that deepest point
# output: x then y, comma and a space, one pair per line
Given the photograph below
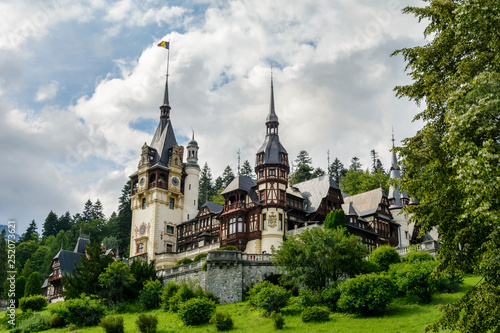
272, 119
165, 107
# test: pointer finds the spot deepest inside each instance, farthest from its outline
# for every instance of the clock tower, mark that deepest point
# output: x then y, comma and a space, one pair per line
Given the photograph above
159, 191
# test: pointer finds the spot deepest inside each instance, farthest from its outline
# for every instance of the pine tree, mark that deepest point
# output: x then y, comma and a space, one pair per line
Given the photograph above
97, 211
337, 171
318, 172
355, 164
206, 189
335, 219
64, 222
246, 170
30, 233
3, 259
227, 176
33, 285
304, 169
27, 270
50, 225
87, 213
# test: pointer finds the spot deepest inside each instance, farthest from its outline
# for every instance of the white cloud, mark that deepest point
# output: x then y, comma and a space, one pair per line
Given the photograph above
47, 92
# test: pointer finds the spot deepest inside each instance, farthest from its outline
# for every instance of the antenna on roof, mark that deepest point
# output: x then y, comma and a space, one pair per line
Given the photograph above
239, 156
328, 166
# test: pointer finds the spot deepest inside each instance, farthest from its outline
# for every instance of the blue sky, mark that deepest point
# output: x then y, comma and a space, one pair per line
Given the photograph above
81, 83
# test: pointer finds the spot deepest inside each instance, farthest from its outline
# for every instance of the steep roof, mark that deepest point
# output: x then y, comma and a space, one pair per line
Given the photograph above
272, 148
68, 261
366, 202
213, 207
315, 190
81, 243
163, 141
243, 183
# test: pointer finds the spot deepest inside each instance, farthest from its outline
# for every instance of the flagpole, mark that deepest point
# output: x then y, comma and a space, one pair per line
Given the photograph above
168, 56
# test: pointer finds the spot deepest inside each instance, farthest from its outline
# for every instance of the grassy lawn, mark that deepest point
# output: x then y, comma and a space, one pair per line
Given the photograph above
401, 316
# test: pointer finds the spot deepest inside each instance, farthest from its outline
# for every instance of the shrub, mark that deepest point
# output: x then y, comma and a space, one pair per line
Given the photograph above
34, 303
366, 294
271, 299
168, 291
149, 296
222, 321
418, 256
308, 297
112, 324
255, 289
183, 261
184, 293
56, 321
228, 248
211, 296
204, 267
330, 297
278, 320
384, 256
200, 256
415, 279
34, 323
82, 311
147, 323
196, 311
448, 281
315, 313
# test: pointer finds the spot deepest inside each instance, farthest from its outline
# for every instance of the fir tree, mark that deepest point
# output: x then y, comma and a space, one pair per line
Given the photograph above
33, 285
30, 233
337, 171
206, 189
247, 170
64, 222
227, 176
3, 259
355, 164
87, 213
97, 211
50, 225
304, 169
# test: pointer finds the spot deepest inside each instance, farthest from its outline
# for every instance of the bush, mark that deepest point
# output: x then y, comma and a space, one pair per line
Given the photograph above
228, 248
147, 323
222, 321
448, 281
168, 291
82, 311
183, 294
418, 256
271, 298
196, 311
149, 296
255, 289
331, 296
366, 294
315, 313
34, 323
34, 303
200, 256
415, 279
56, 321
204, 267
183, 261
308, 297
211, 296
278, 320
384, 256
112, 324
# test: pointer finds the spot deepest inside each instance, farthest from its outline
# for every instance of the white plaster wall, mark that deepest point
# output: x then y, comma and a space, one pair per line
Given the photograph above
191, 195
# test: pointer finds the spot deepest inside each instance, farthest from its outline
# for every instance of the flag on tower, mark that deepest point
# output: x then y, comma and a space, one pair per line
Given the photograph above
164, 44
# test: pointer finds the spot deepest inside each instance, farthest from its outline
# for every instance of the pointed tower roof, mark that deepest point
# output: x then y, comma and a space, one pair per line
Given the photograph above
394, 194
164, 138
272, 147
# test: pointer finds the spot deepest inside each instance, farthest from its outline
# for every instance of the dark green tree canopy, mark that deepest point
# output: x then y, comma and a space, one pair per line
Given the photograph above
247, 170
336, 219
51, 224
451, 163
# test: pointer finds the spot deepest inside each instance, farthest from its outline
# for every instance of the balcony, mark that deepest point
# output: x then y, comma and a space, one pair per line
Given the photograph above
234, 206
159, 185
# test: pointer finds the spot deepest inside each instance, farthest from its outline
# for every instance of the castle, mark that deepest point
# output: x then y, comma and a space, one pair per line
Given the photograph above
257, 213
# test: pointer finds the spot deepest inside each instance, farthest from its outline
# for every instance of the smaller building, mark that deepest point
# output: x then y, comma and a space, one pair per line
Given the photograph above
63, 264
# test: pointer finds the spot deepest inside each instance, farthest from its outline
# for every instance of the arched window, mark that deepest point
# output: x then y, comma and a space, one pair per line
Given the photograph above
140, 247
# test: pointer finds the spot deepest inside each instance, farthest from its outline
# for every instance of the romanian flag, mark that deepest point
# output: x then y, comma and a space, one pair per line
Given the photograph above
164, 44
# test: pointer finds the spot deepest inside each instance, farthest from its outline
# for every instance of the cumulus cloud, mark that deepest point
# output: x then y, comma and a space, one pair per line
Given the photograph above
47, 92
333, 81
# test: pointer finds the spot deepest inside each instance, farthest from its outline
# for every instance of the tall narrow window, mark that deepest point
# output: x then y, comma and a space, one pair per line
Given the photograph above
172, 203
143, 203
263, 221
240, 224
280, 222
140, 247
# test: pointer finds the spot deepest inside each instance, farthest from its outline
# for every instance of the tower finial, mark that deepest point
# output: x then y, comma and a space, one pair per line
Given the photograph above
239, 156
165, 107
272, 119
393, 137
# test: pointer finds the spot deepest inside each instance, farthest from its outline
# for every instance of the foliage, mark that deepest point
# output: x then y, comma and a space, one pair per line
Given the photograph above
149, 296
415, 256
168, 292
303, 168
337, 171
315, 313
222, 321
183, 261
200, 256
330, 296
20, 286
366, 294
33, 323
3, 260
33, 285
415, 279
278, 320
335, 219
30, 233
115, 279
33, 303
83, 311
196, 311
384, 256
270, 298
112, 324
247, 170
204, 267
147, 323
206, 186
183, 294
24, 251
317, 257
57, 321
142, 272
228, 248
227, 177
256, 288
359, 181
50, 226
451, 164
85, 279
